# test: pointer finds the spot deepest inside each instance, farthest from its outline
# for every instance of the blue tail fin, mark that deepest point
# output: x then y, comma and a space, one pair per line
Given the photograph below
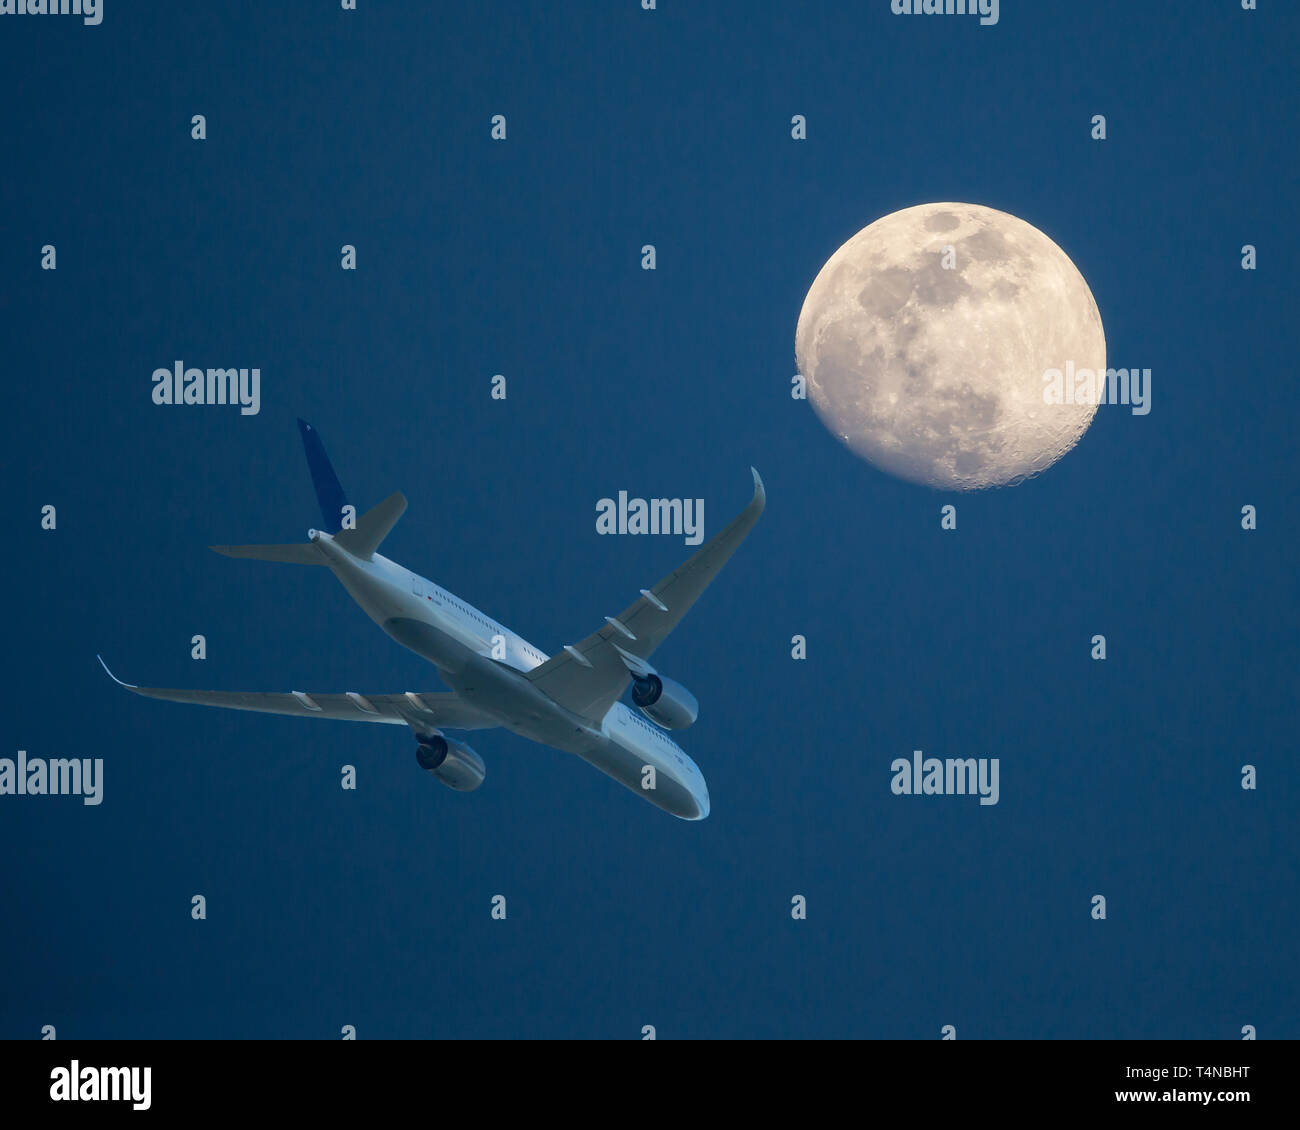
328, 491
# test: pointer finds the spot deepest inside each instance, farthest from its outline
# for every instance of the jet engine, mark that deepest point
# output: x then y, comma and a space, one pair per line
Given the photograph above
663, 701
454, 763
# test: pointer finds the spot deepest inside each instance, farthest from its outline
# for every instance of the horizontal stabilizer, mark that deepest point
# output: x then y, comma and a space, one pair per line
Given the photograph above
304, 553
372, 527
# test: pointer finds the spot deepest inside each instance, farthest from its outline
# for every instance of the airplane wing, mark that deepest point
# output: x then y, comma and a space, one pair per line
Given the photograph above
589, 677
441, 709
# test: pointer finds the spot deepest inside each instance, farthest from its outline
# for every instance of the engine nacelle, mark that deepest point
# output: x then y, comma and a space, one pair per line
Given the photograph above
661, 700
454, 763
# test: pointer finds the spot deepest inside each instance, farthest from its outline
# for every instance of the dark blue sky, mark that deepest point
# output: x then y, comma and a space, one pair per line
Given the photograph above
625, 127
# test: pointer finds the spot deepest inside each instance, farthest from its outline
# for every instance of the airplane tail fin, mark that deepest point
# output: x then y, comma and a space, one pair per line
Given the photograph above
360, 538
329, 492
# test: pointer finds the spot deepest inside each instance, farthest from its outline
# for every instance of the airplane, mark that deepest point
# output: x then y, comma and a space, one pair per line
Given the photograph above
569, 701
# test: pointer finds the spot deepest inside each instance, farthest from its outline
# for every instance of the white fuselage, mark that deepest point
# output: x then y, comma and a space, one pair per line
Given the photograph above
485, 663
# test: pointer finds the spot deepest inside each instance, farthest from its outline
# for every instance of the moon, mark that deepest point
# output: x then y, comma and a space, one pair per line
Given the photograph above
925, 338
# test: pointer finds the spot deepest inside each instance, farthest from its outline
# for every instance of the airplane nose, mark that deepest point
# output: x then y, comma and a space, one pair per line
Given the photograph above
701, 796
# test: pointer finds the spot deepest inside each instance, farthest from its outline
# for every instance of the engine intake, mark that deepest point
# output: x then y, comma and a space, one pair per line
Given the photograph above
663, 701
454, 763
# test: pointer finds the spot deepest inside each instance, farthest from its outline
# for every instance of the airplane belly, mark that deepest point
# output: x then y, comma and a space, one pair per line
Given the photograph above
522, 708
443, 650
527, 711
